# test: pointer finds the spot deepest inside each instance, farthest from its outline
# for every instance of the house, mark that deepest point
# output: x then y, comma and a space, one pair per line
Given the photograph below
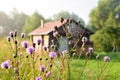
69, 28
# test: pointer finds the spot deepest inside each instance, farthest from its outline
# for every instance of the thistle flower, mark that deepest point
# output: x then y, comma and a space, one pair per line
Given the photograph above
90, 50
107, 59
30, 50
15, 33
5, 64
16, 70
52, 54
84, 39
9, 38
34, 45
44, 48
39, 78
42, 68
65, 52
25, 44
11, 33
22, 35
39, 41
48, 74
15, 41
56, 34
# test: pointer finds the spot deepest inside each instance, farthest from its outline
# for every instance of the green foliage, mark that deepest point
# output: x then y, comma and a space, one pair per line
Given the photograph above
105, 21
32, 22
106, 13
107, 39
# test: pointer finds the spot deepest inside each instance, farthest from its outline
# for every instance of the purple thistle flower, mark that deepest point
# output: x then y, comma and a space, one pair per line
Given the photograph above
44, 48
30, 50
25, 44
11, 33
90, 50
9, 38
52, 54
64, 52
5, 64
22, 35
10, 66
42, 68
48, 74
107, 59
39, 78
15, 33
39, 41
55, 34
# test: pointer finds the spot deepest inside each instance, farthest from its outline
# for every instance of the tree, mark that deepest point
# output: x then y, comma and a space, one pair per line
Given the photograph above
4, 20
106, 13
66, 15
105, 20
17, 20
107, 39
32, 22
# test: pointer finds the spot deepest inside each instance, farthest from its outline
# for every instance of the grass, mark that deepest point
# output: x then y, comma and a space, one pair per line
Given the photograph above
91, 71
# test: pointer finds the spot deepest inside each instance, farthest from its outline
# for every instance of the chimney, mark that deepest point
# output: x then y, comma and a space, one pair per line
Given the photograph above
42, 23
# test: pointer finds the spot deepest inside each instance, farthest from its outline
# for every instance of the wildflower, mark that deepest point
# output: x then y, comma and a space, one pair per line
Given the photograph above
62, 20
5, 64
34, 45
51, 65
10, 66
22, 35
90, 50
39, 78
11, 33
84, 39
15, 41
16, 70
42, 68
65, 51
25, 44
46, 59
8, 38
15, 33
15, 55
40, 59
107, 59
52, 54
39, 41
48, 74
56, 29
55, 34
45, 48
30, 50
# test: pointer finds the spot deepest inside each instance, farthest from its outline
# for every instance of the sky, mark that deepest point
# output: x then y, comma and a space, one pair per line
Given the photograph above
48, 8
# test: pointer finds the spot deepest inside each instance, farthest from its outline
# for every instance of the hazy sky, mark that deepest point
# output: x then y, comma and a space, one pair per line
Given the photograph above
49, 7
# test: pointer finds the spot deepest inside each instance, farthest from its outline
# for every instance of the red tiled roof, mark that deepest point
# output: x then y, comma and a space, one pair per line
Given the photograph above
47, 28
